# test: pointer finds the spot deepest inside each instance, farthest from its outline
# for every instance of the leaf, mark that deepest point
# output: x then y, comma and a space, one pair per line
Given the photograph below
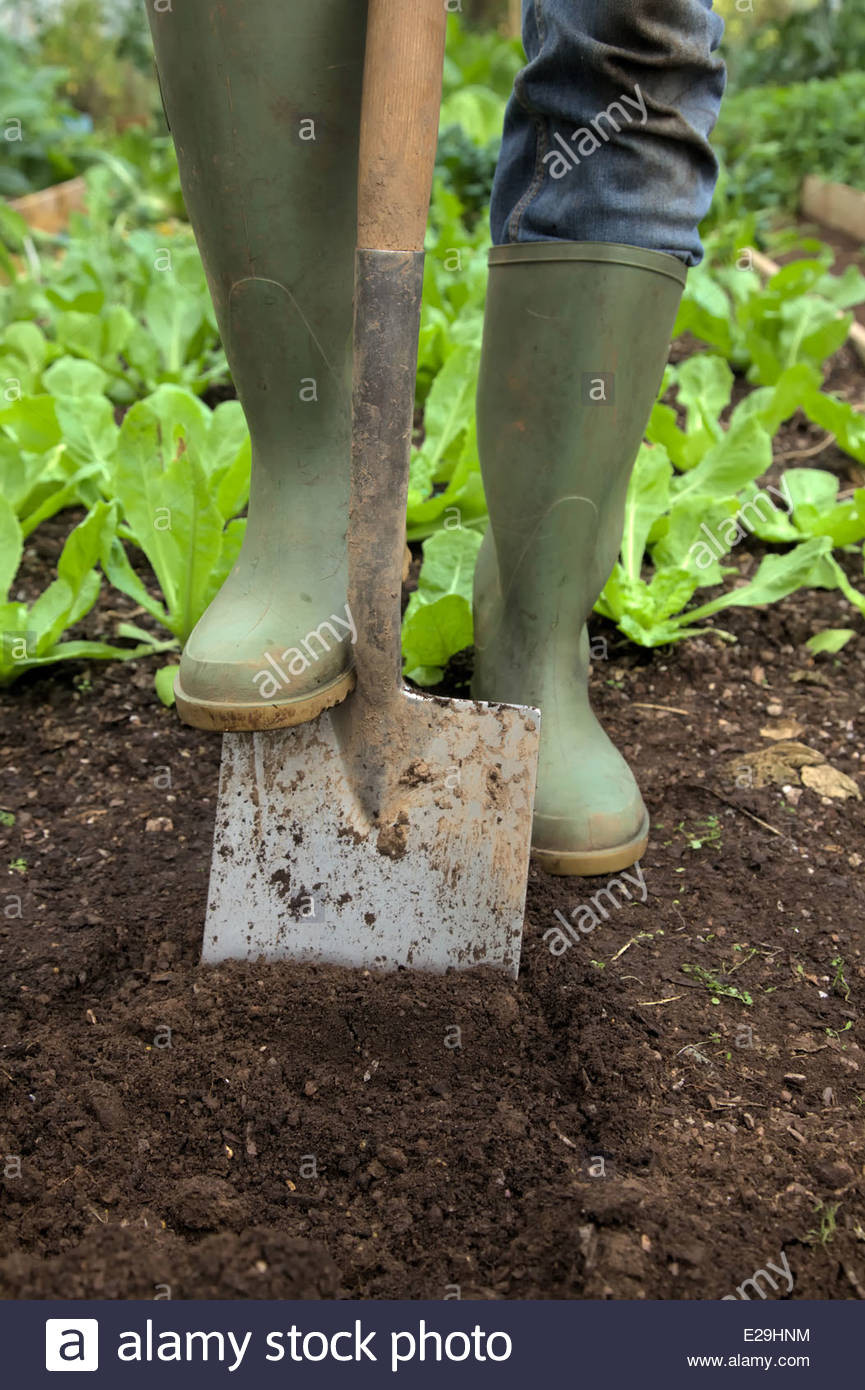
29, 342
705, 311
831, 639
11, 546
145, 499
48, 614
438, 619
692, 539
770, 517
57, 495
88, 428
173, 316
844, 291
120, 573
449, 408
433, 632
704, 386
32, 422
69, 376
85, 544
648, 497
232, 493
477, 110
180, 414
80, 334
164, 682
167, 503
448, 567
838, 417
227, 436
739, 456
776, 577
461, 503
828, 574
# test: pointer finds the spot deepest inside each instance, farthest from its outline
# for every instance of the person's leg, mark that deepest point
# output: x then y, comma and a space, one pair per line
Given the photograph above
583, 291
263, 102
606, 135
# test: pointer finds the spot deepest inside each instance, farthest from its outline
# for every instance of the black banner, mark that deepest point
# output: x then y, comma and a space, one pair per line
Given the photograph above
503, 1344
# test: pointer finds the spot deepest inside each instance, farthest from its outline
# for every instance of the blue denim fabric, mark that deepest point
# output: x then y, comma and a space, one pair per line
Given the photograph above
606, 133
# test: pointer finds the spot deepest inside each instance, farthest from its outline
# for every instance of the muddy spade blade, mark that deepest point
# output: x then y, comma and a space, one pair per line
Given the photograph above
395, 830
302, 871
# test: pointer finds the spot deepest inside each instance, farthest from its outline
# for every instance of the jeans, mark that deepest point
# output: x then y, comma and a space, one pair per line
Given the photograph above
606, 135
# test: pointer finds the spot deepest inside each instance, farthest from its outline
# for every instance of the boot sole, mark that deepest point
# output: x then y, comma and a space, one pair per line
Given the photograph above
593, 862
219, 718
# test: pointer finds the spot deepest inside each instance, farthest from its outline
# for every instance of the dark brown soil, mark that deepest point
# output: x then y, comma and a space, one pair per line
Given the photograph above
675, 1101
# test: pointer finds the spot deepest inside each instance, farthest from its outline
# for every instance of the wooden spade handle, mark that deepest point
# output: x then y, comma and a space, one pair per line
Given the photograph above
402, 83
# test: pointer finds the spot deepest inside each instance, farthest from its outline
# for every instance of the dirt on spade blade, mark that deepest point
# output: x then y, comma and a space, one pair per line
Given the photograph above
671, 1104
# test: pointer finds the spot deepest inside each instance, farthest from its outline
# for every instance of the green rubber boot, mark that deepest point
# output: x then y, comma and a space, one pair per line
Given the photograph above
576, 336
263, 102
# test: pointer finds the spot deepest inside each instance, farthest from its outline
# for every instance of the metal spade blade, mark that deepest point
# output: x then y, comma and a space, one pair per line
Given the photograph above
302, 870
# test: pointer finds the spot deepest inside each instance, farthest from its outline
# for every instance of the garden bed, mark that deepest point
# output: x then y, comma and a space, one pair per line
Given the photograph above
621, 1122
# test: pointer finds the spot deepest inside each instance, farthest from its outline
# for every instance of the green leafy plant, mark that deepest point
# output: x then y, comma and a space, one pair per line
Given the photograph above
102, 81
689, 516
133, 303
438, 619
44, 141
763, 329
31, 633
770, 137
717, 987
180, 475
820, 41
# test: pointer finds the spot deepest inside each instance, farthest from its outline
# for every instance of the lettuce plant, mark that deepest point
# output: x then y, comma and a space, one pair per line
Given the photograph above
31, 633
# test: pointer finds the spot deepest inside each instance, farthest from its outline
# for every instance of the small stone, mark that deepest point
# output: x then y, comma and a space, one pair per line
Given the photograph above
392, 1157
835, 1174
774, 710
504, 1009
157, 823
782, 728
829, 781
692, 1252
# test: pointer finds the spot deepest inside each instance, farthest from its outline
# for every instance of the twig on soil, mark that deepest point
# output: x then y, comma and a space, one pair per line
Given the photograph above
665, 709
651, 1003
805, 453
736, 807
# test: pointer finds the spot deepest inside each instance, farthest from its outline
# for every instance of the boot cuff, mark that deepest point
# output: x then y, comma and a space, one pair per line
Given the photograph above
605, 252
